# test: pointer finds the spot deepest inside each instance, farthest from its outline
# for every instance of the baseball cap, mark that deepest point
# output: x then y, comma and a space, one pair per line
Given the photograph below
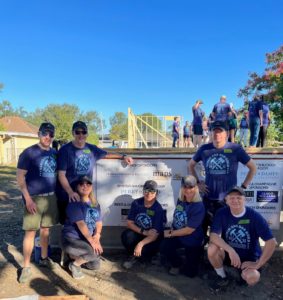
188, 181
219, 124
47, 126
150, 185
79, 124
236, 189
84, 179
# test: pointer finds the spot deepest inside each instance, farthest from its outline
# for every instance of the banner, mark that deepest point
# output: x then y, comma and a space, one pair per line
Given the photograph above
118, 185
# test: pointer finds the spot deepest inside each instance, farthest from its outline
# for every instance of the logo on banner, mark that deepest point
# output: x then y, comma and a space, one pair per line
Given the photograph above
267, 196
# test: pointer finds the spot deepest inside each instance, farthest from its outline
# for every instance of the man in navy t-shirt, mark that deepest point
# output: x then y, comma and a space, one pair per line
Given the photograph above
255, 119
220, 160
36, 177
222, 110
235, 233
198, 115
76, 159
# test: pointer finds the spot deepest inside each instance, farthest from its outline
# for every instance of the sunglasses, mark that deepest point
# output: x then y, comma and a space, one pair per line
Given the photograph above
149, 191
46, 133
77, 132
84, 183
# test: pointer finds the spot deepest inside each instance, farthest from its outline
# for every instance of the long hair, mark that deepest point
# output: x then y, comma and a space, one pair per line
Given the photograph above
91, 196
196, 198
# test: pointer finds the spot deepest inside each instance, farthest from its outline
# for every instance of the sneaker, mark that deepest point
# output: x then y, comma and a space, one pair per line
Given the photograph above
25, 275
76, 271
219, 284
129, 263
47, 263
174, 271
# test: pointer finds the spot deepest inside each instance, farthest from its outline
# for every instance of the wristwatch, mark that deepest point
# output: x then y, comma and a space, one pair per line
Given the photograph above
243, 186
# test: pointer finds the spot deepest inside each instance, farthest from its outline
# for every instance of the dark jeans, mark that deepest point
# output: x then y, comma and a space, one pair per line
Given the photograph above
83, 249
130, 239
168, 249
261, 141
211, 207
175, 139
254, 124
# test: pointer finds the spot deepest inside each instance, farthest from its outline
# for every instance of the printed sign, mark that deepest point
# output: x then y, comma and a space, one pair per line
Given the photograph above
118, 185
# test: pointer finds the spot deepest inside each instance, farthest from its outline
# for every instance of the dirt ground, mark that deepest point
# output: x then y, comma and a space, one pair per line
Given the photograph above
112, 281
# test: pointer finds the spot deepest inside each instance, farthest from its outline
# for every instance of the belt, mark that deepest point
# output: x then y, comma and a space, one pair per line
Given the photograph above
46, 194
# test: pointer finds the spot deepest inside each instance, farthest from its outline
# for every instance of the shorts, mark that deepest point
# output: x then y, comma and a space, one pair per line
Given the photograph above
186, 136
46, 215
198, 130
232, 124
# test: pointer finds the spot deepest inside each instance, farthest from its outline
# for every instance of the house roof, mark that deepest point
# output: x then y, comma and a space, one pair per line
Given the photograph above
18, 125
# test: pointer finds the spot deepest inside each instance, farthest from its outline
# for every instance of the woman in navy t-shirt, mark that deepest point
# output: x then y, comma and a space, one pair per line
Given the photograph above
82, 229
186, 231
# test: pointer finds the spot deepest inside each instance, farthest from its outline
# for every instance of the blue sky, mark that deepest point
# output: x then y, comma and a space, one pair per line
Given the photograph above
156, 56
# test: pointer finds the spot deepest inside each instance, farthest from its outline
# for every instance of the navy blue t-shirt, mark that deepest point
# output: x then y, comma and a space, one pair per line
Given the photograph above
244, 123
242, 233
80, 211
175, 128
221, 111
221, 166
254, 108
265, 112
189, 214
78, 162
198, 114
41, 169
147, 218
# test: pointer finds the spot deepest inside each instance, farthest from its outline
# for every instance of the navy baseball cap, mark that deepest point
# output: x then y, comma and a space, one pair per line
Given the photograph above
47, 126
150, 185
84, 179
79, 124
236, 189
219, 124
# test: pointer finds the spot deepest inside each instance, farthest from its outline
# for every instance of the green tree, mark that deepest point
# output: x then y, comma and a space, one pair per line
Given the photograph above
270, 84
119, 126
6, 109
63, 116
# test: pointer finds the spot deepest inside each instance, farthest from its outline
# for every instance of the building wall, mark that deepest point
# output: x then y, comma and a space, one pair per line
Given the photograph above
13, 147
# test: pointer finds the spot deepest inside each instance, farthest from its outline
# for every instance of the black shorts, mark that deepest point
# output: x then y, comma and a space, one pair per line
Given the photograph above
198, 130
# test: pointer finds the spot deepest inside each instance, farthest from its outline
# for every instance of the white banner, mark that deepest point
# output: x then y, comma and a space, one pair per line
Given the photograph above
118, 185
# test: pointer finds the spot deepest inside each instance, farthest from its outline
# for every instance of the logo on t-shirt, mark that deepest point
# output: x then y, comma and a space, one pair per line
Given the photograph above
237, 236
92, 216
82, 164
143, 221
47, 167
218, 164
180, 219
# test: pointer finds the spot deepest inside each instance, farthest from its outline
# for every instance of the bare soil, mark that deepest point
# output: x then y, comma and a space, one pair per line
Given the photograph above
112, 281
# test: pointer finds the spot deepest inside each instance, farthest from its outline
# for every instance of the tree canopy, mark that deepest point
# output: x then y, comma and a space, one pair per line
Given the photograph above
119, 126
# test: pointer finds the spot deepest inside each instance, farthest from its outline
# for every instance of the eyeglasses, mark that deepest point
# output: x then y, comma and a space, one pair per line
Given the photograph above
77, 132
46, 133
188, 187
85, 183
147, 191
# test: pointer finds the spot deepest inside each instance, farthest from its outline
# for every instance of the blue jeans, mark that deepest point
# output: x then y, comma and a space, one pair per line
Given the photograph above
254, 130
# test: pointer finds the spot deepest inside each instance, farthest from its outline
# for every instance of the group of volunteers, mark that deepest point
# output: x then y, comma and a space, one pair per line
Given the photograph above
65, 180
254, 123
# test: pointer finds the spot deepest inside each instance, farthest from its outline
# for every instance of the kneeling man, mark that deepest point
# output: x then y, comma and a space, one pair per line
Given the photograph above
234, 238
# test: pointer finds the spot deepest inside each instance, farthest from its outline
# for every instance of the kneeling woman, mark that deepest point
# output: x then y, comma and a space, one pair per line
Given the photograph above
186, 230
82, 230
145, 224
